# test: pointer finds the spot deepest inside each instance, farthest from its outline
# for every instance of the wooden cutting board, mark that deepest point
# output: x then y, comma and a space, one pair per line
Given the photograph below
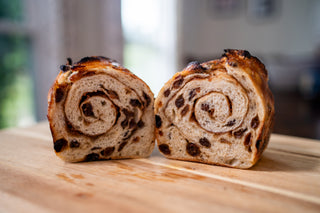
33, 179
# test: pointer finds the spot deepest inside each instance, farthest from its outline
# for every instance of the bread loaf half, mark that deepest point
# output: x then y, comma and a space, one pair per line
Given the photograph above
217, 112
99, 110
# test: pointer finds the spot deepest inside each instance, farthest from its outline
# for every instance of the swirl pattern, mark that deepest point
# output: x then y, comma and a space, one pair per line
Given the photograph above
99, 110
218, 112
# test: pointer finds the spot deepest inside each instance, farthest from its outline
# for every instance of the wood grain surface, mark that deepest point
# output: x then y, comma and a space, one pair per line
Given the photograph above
33, 179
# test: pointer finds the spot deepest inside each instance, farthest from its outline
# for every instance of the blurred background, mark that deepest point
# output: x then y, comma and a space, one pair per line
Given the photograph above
155, 39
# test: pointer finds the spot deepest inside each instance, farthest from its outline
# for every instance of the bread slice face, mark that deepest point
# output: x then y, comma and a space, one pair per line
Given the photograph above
99, 110
218, 112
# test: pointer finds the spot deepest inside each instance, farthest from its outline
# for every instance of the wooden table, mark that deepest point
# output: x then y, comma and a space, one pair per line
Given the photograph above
33, 179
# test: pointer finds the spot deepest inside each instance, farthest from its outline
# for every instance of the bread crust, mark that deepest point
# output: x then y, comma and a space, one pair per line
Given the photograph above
236, 69
91, 119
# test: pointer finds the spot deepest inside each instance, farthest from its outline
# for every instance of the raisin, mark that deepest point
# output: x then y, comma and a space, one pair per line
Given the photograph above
158, 121
136, 139
193, 93
239, 133
128, 113
107, 151
87, 109
160, 133
132, 124
124, 123
258, 144
205, 142
60, 144
192, 117
164, 148
178, 82
179, 101
140, 124
223, 140
74, 143
231, 123
185, 110
59, 95
122, 145
247, 142
255, 122
166, 93
205, 107
95, 148
193, 149
135, 103
147, 98
92, 157
112, 94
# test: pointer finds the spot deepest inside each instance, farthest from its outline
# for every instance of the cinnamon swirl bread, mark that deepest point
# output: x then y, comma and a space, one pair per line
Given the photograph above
100, 110
217, 112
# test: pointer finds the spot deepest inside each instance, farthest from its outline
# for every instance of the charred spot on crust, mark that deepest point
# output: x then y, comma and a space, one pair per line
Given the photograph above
178, 81
74, 143
69, 61
92, 157
59, 95
179, 101
65, 68
94, 58
107, 151
122, 145
135, 103
205, 142
233, 63
239, 133
87, 109
166, 93
255, 122
164, 148
147, 98
246, 54
185, 110
158, 121
60, 144
192, 149
196, 66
